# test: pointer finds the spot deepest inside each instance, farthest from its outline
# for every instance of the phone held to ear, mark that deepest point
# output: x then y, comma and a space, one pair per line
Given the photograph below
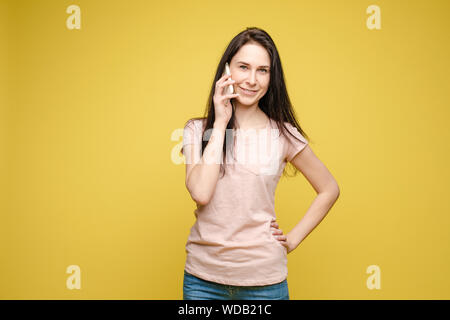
230, 88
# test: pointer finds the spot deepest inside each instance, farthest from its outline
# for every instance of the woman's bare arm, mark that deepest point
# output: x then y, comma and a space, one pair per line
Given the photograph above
327, 190
202, 173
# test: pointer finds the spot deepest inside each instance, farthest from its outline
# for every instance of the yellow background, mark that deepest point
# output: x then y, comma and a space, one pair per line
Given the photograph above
87, 173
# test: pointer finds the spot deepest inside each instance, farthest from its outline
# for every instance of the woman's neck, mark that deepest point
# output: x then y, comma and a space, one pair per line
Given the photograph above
249, 117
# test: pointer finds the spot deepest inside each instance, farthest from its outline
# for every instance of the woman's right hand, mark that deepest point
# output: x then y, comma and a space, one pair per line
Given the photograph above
222, 107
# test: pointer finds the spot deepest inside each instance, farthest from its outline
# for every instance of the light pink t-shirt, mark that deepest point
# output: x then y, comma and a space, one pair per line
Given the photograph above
231, 242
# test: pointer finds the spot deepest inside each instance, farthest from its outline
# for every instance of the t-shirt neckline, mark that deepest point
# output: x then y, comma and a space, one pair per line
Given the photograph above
260, 128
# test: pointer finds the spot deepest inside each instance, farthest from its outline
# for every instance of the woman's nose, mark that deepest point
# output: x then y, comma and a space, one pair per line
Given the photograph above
252, 78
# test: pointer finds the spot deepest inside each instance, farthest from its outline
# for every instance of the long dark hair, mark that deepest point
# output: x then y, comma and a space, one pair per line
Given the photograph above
275, 103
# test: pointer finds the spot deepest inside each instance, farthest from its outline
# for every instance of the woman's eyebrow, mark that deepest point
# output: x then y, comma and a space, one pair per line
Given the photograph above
249, 64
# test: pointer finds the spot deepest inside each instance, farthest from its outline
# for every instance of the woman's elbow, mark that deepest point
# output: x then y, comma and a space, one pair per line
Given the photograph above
336, 191
200, 199
333, 190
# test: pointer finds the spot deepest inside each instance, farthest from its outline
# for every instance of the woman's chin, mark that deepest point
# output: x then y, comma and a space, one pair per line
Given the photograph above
246, 100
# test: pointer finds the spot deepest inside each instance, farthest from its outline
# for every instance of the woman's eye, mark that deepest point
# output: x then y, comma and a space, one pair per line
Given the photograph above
265, 70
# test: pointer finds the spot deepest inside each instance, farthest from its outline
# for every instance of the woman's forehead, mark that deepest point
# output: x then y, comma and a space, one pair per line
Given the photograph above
253, 54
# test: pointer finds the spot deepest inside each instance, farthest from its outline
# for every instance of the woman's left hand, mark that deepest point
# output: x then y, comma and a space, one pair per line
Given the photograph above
278, 233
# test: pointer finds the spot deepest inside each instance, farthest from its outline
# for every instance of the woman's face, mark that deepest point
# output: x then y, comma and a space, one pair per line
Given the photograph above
250, 68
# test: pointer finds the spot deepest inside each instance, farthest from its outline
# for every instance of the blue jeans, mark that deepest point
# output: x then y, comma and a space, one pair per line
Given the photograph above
195, 288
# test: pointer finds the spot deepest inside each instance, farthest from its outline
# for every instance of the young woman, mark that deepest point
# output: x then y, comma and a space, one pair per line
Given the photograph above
235, 249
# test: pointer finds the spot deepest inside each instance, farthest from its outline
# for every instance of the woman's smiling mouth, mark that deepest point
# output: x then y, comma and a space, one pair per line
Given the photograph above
248, 92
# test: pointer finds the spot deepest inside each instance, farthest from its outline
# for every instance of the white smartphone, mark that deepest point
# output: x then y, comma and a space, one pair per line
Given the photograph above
230, 88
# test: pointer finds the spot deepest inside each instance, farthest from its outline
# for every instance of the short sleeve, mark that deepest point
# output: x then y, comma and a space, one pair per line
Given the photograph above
294, 146
189, 133
192, 135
